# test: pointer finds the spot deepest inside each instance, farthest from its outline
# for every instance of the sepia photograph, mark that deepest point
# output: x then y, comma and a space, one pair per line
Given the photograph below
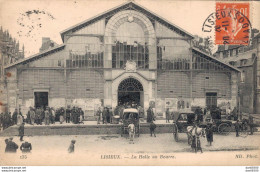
129, 83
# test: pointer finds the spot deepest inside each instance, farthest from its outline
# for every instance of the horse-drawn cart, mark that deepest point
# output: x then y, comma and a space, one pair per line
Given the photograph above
130, 115
181, 120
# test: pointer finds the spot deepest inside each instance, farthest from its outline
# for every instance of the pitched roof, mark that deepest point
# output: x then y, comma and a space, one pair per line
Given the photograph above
38, 55
216, 60
127, 5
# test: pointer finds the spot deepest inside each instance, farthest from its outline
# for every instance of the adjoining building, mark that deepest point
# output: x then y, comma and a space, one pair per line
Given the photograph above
10, 52
246, 59
125, 54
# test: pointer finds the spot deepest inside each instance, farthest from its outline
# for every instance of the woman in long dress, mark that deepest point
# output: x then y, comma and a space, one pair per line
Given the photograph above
19, 119
62, 116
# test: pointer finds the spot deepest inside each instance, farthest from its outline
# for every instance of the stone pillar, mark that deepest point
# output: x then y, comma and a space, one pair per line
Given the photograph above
258, 77
108, 52
152, 52
108, 87
234, 89
108, 93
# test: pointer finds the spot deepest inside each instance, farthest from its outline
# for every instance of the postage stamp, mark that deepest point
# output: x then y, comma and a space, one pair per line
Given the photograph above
232, 23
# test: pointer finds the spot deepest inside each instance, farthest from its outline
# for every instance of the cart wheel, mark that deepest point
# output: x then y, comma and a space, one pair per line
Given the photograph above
224, 129
175, 133
244, 130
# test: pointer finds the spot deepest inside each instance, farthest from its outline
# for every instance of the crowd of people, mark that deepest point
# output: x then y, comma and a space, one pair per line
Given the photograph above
74, 115
41, 115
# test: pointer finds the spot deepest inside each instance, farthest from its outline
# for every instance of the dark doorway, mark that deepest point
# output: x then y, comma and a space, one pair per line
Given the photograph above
41, 99
128, 97
211, 100
130, 91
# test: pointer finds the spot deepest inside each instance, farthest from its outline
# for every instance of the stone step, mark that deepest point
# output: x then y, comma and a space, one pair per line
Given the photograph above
82, 129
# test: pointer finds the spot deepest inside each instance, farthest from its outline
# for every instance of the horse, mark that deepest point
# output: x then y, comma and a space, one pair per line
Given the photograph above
194, 133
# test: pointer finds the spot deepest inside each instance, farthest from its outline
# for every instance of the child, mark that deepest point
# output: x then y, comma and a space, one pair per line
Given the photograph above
152, 128
131, 131
71, 147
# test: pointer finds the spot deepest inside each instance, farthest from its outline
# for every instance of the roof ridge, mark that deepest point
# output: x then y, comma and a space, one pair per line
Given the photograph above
230, 66
123, 4
33, 56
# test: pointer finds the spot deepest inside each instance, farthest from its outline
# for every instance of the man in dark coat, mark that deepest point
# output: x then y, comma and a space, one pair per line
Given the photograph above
110, 115
107, 116
14, 117
28, 117
104, 115
11, 146
7, 120
150, 115
209, 134
21, 131
68, 115
251, 124
26, 147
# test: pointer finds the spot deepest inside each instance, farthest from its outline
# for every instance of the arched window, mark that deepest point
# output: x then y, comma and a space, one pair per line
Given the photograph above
130, 43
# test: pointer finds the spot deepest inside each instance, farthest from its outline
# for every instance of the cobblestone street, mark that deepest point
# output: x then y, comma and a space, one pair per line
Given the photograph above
102, 145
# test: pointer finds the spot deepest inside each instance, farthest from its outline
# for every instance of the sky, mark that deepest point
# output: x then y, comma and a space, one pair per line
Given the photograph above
30, 20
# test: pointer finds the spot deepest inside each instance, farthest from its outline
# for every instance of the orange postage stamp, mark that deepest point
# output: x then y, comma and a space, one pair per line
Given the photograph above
232, 23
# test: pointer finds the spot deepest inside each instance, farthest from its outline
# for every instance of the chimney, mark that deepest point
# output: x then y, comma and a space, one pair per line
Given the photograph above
45, 43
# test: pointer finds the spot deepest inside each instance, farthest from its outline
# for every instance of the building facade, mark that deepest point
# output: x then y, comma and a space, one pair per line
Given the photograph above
127, 54
246, 59
10, 52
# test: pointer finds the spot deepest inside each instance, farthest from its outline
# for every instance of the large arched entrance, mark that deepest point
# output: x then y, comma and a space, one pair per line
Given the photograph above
130, 91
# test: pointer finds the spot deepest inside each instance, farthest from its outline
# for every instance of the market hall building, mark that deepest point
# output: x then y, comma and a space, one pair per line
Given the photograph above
126, 54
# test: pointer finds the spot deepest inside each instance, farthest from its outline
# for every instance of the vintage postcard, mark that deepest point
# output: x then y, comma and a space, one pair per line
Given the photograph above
129, 82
